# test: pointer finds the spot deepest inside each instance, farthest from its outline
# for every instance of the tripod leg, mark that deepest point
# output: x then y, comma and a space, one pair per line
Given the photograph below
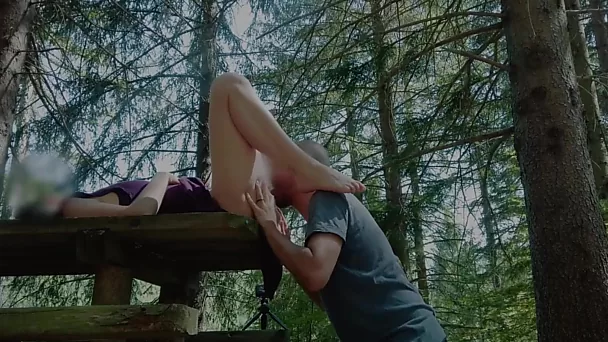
263, 322
276, 319
250, 321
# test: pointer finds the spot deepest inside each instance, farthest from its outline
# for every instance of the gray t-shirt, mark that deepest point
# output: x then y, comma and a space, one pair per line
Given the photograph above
368, 297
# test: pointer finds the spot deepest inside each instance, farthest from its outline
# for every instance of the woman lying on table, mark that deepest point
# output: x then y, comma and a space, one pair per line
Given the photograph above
246, 145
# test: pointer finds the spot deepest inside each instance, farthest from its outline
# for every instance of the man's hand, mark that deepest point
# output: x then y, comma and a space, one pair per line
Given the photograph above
263, 206
283, 228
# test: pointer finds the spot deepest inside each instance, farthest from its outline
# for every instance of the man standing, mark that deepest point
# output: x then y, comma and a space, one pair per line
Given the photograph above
347, 265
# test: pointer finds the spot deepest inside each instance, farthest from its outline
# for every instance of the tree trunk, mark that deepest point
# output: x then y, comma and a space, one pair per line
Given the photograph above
15, 21
394, 226
20, 132
591, 108
598, 26
568, 241
18, 148
351, 128
486, 211
416, 222
207, 70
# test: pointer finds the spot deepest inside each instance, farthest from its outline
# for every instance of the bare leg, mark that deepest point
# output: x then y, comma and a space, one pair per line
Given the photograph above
240, 125
235, 165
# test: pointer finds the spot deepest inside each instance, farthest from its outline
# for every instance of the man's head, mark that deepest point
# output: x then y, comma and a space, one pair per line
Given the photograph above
315, 150
284, 180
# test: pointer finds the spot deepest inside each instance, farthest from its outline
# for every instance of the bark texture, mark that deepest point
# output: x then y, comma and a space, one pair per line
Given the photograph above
600, 32
196, 290
591, 107
15, 21
394, 225
417, 229
207, 69
488, 222
568, 239
351, 128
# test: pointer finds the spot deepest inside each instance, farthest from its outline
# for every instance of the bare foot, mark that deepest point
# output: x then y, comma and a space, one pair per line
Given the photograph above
321, 177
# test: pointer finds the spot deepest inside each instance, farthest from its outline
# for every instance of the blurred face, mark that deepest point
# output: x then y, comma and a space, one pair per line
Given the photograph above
283, 182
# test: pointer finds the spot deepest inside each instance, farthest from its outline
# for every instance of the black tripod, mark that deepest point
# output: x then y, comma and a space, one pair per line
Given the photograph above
263, 311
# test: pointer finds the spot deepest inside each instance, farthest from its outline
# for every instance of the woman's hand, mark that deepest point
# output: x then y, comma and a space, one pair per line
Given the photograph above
265, 210
173, 179
263, 206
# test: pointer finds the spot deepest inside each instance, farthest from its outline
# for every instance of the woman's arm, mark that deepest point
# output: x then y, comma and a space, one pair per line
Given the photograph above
150, 198
146, 203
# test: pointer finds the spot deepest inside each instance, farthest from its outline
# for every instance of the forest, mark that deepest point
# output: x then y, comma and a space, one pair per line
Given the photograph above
478, 128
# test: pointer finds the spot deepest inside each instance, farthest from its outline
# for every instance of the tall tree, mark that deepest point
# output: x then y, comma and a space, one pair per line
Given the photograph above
395, 227
487, 216
15, 21
600, 32
568, 240
415, 220
207, 46
591, 108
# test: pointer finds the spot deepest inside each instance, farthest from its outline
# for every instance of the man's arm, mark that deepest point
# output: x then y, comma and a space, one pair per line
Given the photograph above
326, 229
311, 266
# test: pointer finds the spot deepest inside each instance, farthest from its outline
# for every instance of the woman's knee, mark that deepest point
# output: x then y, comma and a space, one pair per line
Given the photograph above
228, 81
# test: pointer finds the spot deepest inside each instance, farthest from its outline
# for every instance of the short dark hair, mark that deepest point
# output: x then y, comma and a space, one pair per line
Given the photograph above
315, 150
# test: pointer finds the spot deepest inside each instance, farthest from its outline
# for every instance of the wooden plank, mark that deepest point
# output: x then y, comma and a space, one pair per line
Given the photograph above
112, 286
182, 292
185, 292
112, 283
98, 322
102, 247
44, 262
188, 242
208, 226
241, 336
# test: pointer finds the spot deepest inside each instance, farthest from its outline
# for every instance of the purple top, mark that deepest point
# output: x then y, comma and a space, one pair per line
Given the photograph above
190, 195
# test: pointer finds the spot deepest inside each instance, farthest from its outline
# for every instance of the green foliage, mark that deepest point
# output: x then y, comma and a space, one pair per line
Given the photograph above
304, 319
47, 291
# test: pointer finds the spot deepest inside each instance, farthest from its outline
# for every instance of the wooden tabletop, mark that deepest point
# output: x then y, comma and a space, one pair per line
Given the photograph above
162, 243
